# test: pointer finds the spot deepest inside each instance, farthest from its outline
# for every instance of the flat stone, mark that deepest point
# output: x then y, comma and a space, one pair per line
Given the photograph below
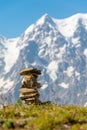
30, 99
27, 90
29, 71
32, 95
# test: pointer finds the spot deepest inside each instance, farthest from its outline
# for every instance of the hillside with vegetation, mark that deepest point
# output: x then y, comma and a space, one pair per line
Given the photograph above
43, 117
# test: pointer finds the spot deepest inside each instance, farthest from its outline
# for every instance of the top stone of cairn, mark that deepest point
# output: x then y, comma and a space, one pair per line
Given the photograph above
29, 71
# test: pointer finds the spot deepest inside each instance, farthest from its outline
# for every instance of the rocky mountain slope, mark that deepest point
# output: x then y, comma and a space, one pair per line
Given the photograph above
59, 49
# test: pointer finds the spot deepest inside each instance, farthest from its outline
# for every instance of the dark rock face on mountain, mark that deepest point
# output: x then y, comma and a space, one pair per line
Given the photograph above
59, 49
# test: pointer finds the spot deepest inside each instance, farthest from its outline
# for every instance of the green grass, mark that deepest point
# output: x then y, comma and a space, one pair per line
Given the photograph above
43, 117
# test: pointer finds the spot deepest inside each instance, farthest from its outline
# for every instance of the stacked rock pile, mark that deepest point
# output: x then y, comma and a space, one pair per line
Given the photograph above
28, 91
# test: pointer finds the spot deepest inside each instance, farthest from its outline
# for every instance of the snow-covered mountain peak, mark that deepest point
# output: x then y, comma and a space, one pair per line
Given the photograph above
44, 26
59, 49
44, 19
68, 26
78, 16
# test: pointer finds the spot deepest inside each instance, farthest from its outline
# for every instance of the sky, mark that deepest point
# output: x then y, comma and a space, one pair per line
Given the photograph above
17, 15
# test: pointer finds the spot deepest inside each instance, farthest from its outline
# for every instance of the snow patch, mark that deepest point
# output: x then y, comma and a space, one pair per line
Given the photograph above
7, 85
77, 75
64, 85
62, 50
78, 94
52, 69
28, 30
85, 52
11, 53
75, 42
65, 28
44, 86
69, 71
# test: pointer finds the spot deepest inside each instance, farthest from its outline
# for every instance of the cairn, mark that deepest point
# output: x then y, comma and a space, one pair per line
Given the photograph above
28, 91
